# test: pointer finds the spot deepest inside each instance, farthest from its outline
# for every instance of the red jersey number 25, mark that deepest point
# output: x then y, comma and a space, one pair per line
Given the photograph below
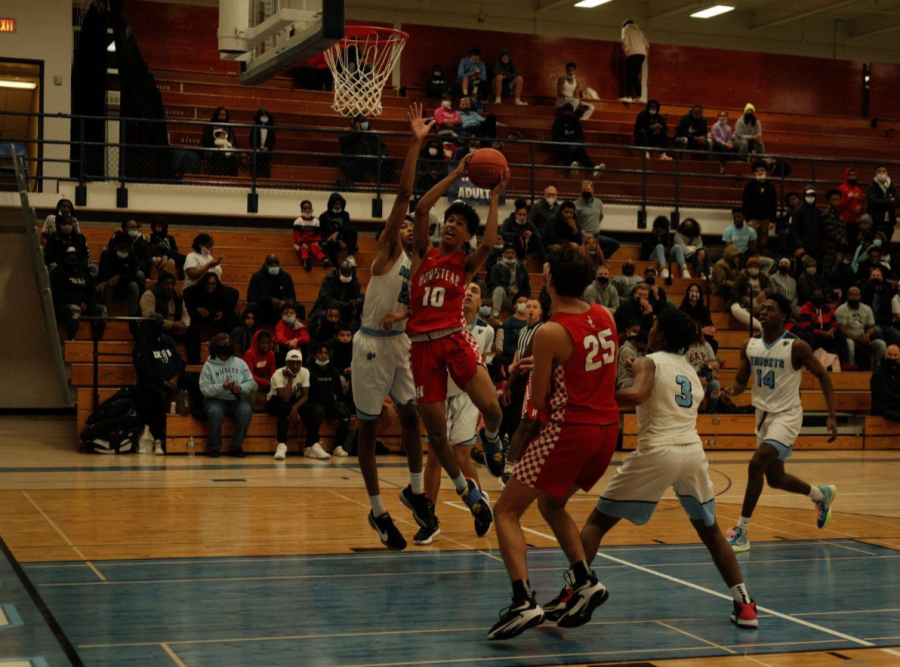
595, 343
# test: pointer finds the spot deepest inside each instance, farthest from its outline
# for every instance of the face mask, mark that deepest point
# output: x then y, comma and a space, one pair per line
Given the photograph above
520, 308
876, 281
750, 118
586, 195
811, 270
71, 265
810, 200
753, 272
890, 365
364, 126
133, 233
551, 201
628, 270
264, 119
206, 252
603, 281
876, 243
760, 177
433, 152
336, 209
592, 252
122, 255
345, 279
509, 262
854, 303
306, 216
652, 112
694, 297
783, 270
723, 122
818, 300
847, 262
289, 320
65, 229
446, 104
651, 280
881, 178
484, 311
319, 362
224, 350
274, 270
851, 181
522, 222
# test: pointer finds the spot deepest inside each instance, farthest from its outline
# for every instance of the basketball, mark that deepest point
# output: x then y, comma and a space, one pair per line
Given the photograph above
486, 168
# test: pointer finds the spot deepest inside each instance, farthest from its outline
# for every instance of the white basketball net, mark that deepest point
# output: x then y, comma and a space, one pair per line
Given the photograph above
361, 64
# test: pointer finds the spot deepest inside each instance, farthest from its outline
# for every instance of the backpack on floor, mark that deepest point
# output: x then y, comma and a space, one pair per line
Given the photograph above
114, 427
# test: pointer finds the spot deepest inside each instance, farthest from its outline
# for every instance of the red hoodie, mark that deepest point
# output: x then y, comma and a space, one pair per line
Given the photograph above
262, 366
853, 201
284, 334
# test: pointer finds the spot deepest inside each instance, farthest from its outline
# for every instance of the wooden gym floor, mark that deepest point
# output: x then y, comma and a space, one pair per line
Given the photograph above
143, 561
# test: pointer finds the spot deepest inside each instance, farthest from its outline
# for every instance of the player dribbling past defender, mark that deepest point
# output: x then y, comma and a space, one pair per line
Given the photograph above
773, 363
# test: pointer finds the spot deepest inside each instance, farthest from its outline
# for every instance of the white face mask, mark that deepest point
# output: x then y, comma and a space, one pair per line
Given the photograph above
753, 272
551, 201
881, 178
337, 209
319, 362
570, 77
345, 279
652, 112
811, 270
433, 152
810, 199
592, 252
446, 104
520, 308
264, 119
760, 177
694, 297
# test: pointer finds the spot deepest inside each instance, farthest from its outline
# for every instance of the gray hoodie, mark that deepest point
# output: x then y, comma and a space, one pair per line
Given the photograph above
216, 373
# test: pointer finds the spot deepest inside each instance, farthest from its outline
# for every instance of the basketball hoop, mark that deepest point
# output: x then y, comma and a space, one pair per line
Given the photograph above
361, 64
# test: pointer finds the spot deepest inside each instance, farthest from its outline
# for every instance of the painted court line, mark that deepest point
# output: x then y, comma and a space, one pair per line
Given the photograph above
692, 636
173, 655
65, 538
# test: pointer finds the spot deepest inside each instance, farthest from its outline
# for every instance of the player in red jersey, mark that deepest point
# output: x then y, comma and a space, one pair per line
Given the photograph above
573, 386
441, 341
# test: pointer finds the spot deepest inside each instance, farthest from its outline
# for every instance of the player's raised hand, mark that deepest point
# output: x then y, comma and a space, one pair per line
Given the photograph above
501, 186
831, 424
420, 126
463, 166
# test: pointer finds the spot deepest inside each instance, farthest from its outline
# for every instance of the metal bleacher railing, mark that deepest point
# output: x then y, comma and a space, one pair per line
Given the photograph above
633, 176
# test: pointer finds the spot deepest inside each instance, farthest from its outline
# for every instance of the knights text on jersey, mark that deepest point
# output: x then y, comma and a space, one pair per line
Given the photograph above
774, 382
436, 293
582, 390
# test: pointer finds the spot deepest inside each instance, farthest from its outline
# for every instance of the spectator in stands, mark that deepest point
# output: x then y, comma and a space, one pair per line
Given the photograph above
308, 237
723, 139
475, 125
438, 85
625, 283
59, 242
507, 77
885, 386
636, 47
650, 130
851, 205
201, 260
315, 74
342, 355
885, 247
517, 229
748, 292
338, 232
260, 360
601, 292
326, 401
688, 247
220, 142
164, 244
592, 250
291, 332
760, 204
163, 299
882, 201
243, 333
654, 246
262, 139
790, 203
657, 294
806, 227
725, 271
446, 120
692, 131
879, 296
269, 289
634, 342
288, 393
471, 67
146, 257
739, 233
568, 132
589, 211
564, 228
226, 384
341, 289
119, 276
74, 294
512, 327
431, 167
857, 322
783, 283
508, 281
495, 256
160, 376
361, 148
809, 281
544, 211
702, 359
323, 328
874, 262
637, 308
818, 328
833, 233
63, 207
839, 274
211, 304
569, 92
866, 243
693, 305
749, 129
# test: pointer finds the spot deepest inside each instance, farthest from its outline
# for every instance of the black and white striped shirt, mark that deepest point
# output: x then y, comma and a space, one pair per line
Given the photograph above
525, 338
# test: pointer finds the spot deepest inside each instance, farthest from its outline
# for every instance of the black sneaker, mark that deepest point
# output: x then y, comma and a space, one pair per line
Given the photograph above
493, 454
237, 453
326, 264
504, 478
476, 502
417, 503
387, 531
482, 529
213, 453
426, 535
516, 619
307, 264
585, 599
555, 608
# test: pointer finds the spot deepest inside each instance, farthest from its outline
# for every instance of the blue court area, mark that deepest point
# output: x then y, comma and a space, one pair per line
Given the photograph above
434, 608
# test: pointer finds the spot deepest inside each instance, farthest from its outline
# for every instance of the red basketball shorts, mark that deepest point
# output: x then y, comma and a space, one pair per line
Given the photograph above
528, 410
456, 354
567, 454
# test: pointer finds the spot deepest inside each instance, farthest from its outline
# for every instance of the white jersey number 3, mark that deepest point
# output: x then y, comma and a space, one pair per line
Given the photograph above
596, 342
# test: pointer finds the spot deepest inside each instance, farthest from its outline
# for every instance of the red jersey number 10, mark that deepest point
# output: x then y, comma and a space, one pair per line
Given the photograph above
595, 343
433, 297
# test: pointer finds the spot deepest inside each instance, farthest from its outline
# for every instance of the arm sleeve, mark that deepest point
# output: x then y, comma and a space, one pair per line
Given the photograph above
177, 361
613, 299
248, 384
805, 320
207, 386
496, 277
461, 70
526, 284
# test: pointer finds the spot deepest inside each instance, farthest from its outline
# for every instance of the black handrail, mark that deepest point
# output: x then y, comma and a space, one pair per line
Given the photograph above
94, 319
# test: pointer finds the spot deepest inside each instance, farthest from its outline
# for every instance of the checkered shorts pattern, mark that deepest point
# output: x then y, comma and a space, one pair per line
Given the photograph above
530, 465
558, 395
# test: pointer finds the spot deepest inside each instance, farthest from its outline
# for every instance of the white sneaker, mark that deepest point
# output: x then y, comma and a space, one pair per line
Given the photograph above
351, 260
575, 165
497, 100
308, 453
685, 273
158, 448
627, 100
520, 103
599, 169
318, 452
340, 451
280, 452
664, 274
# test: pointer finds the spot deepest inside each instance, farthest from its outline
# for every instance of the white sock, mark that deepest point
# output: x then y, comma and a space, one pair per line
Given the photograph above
461, 483
377, 505
815, 493
740, 594
744, 523
416, 481
491, 435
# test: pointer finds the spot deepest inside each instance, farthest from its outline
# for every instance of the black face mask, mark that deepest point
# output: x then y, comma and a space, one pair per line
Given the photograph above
586, 195
71, 265
603, 281
851, 181
650, 280
854, 303
783, 270
818, 301
224, 350
876, 281
892, 366
628, 270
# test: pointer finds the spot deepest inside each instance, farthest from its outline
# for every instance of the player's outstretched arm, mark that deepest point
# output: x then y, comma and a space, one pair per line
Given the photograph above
743, 374
802, 353
421, 238
477, 259
547, 341
644, 370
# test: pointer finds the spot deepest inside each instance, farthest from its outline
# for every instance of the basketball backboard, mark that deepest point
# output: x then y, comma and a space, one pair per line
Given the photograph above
270, 36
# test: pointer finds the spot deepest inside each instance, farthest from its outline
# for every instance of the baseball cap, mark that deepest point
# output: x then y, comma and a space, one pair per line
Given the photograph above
294, 355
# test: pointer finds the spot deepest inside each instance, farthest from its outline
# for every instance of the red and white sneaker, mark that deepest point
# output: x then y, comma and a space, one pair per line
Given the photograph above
744, 615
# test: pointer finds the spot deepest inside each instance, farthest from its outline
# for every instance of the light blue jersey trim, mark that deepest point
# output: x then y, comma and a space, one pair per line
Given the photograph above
784, 451
777, 340
467, 443
378, 333
697, 511
636, 511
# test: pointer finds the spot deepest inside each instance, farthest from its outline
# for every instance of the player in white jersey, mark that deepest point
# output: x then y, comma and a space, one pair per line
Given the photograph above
462, 422
380, 364
772, 363
667, 394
